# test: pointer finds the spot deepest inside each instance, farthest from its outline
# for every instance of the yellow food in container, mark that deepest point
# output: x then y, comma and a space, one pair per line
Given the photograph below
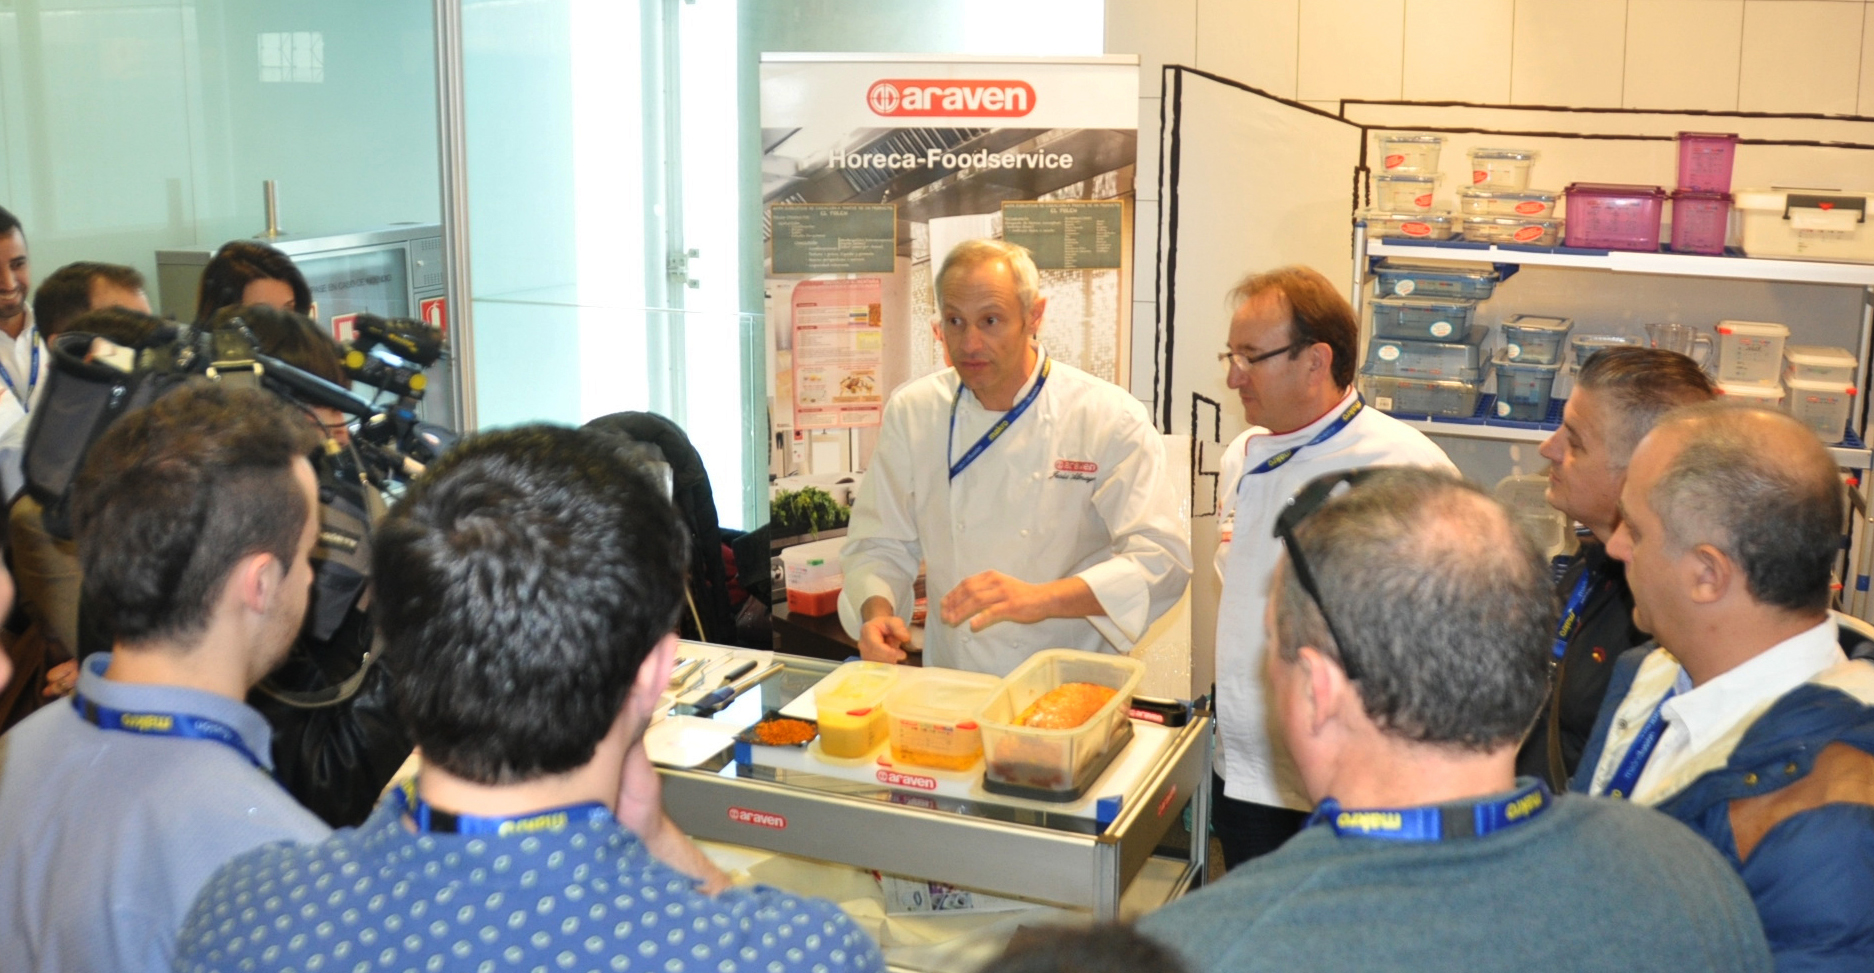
850, 708
933, 718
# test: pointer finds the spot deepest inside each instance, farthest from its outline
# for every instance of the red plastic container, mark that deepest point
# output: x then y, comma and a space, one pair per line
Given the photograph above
1705, 161
1610, 216
813, 602
1700, 221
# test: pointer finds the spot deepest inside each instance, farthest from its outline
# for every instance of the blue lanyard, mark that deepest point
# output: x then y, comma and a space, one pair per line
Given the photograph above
1429, 824
32, 380
442, 822
1634, 763
1340, 422
1571, 612
1002, 425
151, 723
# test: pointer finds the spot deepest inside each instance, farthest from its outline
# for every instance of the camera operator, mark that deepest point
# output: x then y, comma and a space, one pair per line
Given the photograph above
335, 758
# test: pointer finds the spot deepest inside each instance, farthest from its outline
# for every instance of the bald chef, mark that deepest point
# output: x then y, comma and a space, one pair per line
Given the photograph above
1034, 493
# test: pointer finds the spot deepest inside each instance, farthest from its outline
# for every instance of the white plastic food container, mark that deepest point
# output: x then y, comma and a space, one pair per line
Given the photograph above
1750, 351
1431, 225
1807, 224
1405, 192
1822, 406
1045, 761
1532, 339
1410, 153
1501, 168
1536, 203
1818, 363
1767, 396
1531, 231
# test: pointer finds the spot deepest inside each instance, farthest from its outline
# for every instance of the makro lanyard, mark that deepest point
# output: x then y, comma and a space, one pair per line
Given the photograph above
1634, 763
429, 819
1002, 425
1428, 824
32, 381
154, 723
1571, 612
1333, 428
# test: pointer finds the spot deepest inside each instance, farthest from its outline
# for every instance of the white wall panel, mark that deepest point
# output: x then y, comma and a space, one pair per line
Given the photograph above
1569, 52
1458, 50
1351, 49
1683, 53
1252, 41
1801, 56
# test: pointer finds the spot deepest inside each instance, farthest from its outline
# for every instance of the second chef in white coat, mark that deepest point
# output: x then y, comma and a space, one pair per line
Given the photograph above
1034, 493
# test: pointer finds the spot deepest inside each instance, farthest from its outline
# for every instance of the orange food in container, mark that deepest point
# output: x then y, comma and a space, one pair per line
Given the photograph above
932, 714
1057, 763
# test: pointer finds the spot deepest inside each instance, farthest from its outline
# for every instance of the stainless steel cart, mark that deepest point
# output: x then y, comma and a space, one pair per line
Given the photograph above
1005, 846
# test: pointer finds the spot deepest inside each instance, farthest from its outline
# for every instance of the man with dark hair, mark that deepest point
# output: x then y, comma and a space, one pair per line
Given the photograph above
1291, 359
84, 286
1747, 721
1620, 393
1410, 624
1034, 495
528, 587
194, 520
22, 352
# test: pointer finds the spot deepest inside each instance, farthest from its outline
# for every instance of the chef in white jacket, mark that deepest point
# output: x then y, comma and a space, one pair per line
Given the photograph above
1034, 493
1292, 354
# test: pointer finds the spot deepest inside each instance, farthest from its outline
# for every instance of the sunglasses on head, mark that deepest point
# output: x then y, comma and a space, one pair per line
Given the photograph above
1310, 498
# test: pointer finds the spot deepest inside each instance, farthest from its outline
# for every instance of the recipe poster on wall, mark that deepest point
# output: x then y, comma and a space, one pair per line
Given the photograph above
875, 166
837, 344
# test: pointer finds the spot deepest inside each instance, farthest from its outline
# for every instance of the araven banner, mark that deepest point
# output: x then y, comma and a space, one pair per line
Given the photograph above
873, 167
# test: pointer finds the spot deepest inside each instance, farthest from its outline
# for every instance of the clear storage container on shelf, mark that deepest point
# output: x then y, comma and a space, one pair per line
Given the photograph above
1750, 351
1767, 396
850, 707
1527, 230
1612, 216
1806, 224
813, 576
1705, 161
1055, 764
1410, 153
1477, 201
1524, 389
1405, 192
1444, 397
1501, 168
932, 714
1818, 363
1429, 359
1700, 221
1418, 280
1585, 345
1431, 225
1822, 406
1425, 319
1533, 339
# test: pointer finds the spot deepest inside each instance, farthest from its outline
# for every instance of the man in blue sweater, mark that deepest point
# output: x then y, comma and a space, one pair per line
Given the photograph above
1412, 622
1746, 720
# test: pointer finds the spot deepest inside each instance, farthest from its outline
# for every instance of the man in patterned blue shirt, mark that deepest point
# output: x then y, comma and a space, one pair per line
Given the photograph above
527, 591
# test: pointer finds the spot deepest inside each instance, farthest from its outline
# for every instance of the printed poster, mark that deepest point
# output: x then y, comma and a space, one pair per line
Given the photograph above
838, 349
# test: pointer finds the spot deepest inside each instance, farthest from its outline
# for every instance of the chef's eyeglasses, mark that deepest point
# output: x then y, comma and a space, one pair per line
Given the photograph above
1242, 362
1299, 508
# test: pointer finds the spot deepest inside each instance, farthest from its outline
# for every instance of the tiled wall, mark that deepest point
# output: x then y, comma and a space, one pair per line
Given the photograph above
1748, 55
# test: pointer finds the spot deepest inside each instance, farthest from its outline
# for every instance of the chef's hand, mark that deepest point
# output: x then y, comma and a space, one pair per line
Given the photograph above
641, 808
883, 637
990, 597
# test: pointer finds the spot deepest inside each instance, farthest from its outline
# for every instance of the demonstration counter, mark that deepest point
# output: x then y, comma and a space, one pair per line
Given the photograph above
1123, 840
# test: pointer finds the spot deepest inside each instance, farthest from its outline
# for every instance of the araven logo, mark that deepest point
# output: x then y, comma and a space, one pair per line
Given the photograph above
1076, 466
907, 98
761, 819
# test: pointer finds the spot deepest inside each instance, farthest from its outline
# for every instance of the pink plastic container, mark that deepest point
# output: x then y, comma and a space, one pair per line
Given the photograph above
1609, 216
1700, 221
1705, 161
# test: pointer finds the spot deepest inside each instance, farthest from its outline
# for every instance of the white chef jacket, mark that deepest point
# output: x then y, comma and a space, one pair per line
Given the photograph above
1253, 766
1076, 487
16, 354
